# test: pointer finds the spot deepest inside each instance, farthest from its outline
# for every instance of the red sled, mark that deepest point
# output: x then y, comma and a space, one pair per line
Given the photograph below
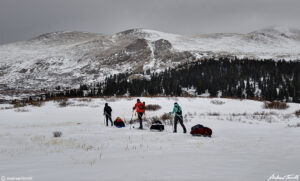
199, 130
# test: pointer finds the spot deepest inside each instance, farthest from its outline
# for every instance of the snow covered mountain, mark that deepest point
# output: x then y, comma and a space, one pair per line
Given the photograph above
68, 59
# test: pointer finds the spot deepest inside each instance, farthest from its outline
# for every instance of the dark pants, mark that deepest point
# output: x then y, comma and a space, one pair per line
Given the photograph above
180, 120
140, 116
108, 117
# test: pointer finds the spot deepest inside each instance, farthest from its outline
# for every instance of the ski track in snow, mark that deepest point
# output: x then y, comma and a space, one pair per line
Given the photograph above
241, 148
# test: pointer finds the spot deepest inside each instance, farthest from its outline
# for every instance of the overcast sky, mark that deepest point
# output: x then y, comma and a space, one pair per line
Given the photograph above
23, 19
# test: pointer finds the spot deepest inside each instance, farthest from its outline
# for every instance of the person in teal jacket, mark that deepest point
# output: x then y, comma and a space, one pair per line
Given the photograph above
178, 117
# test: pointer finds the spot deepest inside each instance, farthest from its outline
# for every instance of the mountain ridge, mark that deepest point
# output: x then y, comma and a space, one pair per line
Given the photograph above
70, 58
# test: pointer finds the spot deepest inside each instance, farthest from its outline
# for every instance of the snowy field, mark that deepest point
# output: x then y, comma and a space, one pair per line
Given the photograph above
248, 142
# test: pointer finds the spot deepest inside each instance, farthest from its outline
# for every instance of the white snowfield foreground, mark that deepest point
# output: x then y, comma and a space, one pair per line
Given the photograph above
247, 144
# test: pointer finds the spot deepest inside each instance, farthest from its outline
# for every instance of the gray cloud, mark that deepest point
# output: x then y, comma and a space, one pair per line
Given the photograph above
23, 19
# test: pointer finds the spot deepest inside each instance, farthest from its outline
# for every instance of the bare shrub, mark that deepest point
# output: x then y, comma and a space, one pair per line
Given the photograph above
297, 113
64, 103
188, 95
213, 114
20, 109
189, 114
5, 108
153, 107
59, 99
36, 103
135, 120
294, 126
80, 105
166, 116
275, 105
154, 119
85, 100
239, 114
57, 134
167, 119
19, 104
263, 113
148, 121
217, 102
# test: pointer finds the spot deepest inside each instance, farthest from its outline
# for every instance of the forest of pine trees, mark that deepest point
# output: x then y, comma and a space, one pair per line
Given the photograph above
239, 78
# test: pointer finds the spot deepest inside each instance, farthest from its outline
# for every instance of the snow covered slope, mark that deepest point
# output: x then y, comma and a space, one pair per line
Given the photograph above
70, 58
249, 143
274, 43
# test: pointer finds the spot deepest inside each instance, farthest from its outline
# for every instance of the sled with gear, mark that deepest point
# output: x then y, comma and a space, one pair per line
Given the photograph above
200, 130
119, 123
157, 126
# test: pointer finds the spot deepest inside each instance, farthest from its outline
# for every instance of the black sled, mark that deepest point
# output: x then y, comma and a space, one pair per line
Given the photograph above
199, 130
157, 126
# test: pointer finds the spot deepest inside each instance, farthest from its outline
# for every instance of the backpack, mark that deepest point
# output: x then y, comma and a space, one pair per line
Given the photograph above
141, 106
119, 119
179, 111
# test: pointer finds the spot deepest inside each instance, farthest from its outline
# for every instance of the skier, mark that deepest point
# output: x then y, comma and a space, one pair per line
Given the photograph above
107, 113
178, 117
140, 109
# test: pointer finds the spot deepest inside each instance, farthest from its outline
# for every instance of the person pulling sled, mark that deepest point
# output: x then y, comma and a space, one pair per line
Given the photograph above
140, 109
107, 113
178, 117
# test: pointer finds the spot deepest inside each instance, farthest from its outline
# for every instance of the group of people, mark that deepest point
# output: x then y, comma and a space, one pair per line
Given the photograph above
140, 108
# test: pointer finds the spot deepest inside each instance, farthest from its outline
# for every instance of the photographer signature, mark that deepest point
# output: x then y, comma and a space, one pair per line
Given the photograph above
285, 177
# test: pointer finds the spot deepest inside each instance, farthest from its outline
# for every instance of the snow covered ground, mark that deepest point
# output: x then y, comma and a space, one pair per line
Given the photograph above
248, 142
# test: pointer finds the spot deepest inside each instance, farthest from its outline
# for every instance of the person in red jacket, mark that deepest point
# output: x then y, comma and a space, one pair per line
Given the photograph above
140, 109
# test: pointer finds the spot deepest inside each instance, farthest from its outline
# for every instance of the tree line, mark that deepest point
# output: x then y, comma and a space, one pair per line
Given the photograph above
225, 77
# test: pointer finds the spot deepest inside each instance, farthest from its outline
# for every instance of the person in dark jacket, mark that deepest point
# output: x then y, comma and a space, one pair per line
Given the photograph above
107, 113
178, 117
